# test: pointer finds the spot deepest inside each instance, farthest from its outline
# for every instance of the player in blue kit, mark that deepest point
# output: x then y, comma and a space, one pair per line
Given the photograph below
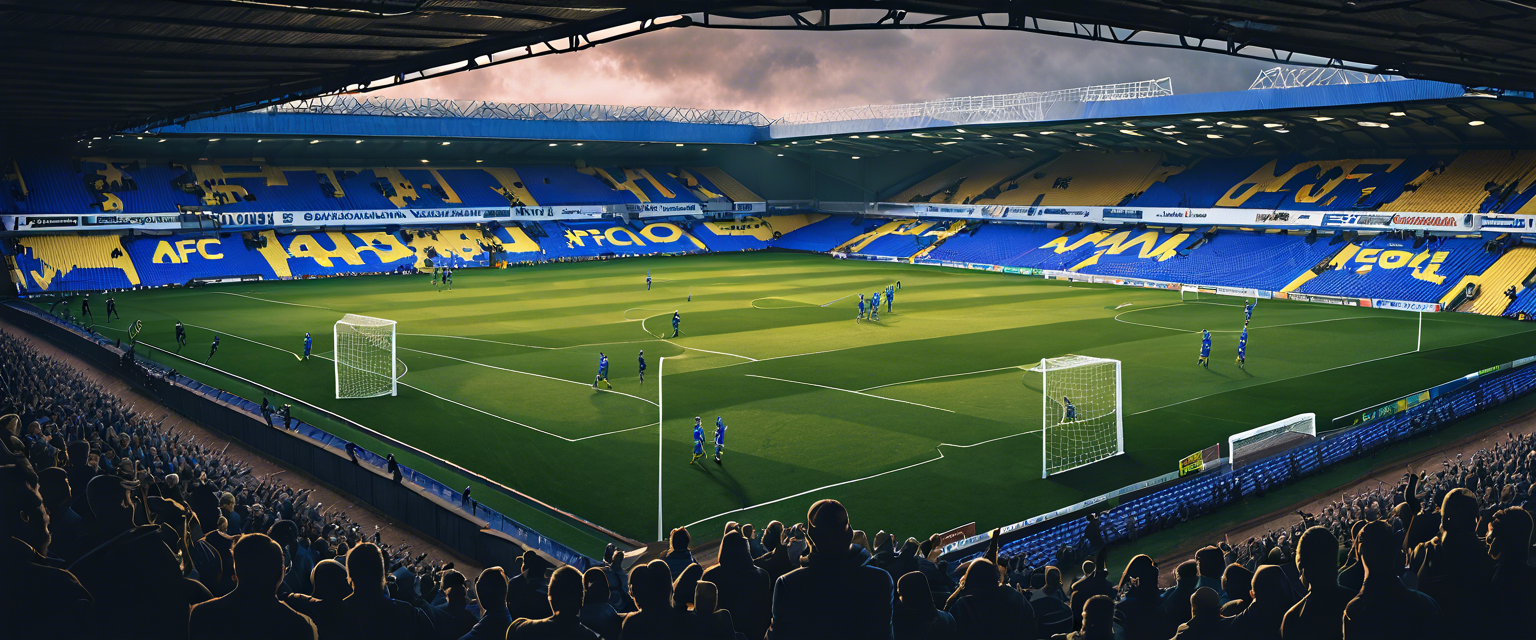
602, 371
719, 438
642, 366
698, 439
647, 281
874, 307
860, 317
890, 297
1242, 348
308, 343
677, 323
214, 348
1069, 410
1205, 348
1248, 311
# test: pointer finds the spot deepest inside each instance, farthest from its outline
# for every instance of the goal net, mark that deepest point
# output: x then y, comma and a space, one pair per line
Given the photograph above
1276, 437
1189, 293
1080, 398
365, 357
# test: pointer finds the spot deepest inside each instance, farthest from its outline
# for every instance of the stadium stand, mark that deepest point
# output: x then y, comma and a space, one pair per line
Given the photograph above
1233, 258
102, 185
965, 181
1000, 244
1472, 181
1082, 178
1511, 270
1401, 269
719, 181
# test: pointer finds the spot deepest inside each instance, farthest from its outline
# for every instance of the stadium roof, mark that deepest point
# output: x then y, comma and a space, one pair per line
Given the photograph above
80, 66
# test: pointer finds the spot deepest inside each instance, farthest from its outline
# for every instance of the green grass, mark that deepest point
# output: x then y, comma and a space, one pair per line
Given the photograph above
500, 370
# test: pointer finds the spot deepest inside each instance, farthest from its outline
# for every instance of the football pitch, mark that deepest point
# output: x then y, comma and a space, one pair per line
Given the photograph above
923, 421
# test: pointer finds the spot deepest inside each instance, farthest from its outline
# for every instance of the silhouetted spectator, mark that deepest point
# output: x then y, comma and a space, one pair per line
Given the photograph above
1269, 600
1384, 608
1140, 607
527, 592
1205, 622
131, 572
596, 613
1098, 621
1318, 614
743, 589
915, 617
1212, 564
989, 609
1511, 594
1176, 601
708, 621
1236, 581
678, 556
1454, 567
491, 588
565, 593
37, 599
259, 570
831, 596
651, 587
369, 613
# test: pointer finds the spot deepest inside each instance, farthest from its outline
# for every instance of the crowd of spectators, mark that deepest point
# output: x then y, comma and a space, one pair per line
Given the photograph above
104, 472
110, 526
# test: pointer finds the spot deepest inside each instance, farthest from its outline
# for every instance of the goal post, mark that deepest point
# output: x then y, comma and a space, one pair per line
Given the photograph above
1189, 293
1276, 437
1080, 412
365, 357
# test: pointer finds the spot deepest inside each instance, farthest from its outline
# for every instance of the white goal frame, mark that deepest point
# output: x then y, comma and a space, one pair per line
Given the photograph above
1188, 293
1303, 423
1047, 367
374, 331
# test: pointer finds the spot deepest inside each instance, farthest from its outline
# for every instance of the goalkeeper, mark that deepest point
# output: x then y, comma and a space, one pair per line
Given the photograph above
1069, 410
602, 371
1205, 348
1242, 348
308, 343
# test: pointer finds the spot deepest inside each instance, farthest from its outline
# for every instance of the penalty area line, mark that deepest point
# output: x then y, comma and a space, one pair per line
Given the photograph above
291, 304
536, 375
952, 375
859, 393
525, 426
937, 447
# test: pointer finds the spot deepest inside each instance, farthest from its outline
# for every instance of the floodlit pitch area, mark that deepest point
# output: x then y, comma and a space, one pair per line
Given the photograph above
928, 416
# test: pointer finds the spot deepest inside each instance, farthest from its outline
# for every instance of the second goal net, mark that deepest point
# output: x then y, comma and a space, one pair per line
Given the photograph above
1081, 420
1276, 437
365, 357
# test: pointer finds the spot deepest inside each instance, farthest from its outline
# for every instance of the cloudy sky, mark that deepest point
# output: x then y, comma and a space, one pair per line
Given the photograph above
783, 72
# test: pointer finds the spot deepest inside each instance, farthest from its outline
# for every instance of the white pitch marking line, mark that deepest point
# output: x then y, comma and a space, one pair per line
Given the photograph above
536, 375
1267, 326
321, 356
515, 344
952, 375
291, 304
648, 332
868, 477
525, 426
861, 393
